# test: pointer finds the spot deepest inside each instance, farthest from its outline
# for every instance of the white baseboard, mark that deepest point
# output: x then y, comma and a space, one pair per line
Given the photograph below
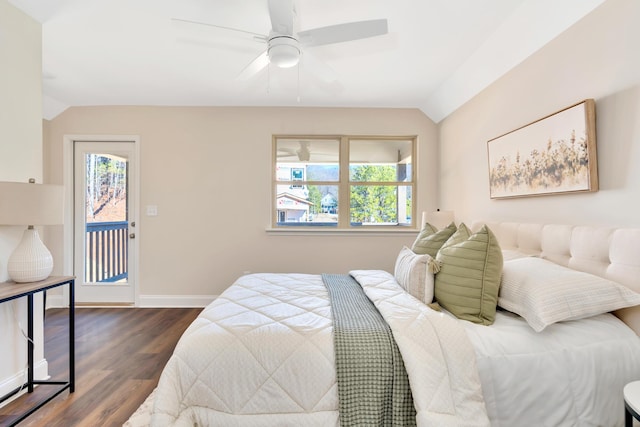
7, 385
175, 301
150, 301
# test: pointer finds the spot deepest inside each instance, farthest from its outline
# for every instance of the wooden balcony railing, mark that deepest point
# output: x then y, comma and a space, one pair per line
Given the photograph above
106, 251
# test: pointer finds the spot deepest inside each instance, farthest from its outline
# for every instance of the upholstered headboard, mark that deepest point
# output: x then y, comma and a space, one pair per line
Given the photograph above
612, 253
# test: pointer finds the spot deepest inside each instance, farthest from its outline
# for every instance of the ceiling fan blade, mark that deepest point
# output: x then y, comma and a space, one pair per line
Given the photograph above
343, 32
282, 14
203, 29
254, 66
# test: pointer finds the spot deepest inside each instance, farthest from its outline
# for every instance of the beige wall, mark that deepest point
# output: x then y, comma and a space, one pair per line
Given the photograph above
208, 171
596, 58
20, 159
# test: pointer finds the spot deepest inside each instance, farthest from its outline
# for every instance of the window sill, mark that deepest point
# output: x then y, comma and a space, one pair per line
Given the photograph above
309, 231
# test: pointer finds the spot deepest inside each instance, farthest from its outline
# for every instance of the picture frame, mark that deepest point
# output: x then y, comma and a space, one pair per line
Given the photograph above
552, 155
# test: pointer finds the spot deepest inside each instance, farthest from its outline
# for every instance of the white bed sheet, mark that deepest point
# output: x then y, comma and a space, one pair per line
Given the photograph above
562, 376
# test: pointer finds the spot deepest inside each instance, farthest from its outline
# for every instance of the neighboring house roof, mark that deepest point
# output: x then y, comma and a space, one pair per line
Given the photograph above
294, 200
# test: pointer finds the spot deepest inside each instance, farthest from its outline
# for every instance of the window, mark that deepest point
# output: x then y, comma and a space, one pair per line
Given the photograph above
343, 181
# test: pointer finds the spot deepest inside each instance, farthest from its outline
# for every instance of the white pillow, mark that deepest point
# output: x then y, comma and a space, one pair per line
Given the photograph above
508, 254
412, 273
544, 293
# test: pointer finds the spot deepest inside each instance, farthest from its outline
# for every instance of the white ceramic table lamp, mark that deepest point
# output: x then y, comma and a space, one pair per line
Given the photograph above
30, 204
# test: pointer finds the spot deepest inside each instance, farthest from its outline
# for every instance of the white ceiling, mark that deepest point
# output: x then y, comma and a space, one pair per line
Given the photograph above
437, 54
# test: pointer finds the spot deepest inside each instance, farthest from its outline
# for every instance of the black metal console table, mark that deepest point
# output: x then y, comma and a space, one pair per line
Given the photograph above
10, 291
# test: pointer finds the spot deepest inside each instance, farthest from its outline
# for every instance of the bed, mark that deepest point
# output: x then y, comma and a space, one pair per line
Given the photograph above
263, 353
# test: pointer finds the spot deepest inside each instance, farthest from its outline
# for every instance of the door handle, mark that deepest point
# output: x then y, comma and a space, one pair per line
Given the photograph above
132, 235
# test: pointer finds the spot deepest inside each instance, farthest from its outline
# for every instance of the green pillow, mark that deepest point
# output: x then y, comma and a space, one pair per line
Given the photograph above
429, 241
468, 282
460, 235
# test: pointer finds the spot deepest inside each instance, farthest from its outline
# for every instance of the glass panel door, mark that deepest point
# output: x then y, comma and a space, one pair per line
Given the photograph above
104, 231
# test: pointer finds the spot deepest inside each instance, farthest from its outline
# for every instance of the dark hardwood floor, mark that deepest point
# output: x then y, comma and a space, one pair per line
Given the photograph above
120, 353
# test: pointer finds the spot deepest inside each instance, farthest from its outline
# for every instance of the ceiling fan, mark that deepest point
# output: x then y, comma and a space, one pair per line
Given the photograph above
303, 153
285, 46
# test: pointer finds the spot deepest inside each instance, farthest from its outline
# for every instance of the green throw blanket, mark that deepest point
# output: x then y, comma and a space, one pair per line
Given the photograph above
373, 386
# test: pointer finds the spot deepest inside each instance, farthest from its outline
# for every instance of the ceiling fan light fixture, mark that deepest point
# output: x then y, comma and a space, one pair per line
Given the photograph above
284, 51
304, 154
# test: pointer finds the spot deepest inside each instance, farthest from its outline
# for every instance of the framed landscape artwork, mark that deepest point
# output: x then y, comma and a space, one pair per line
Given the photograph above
553, 155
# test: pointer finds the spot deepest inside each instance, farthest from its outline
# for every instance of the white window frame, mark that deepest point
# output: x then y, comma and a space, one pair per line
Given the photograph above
344, 185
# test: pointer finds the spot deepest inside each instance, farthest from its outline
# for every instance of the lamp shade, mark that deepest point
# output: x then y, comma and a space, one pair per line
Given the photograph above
31, 204
439, 219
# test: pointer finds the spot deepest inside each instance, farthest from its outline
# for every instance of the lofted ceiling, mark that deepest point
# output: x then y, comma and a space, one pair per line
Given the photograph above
436, 55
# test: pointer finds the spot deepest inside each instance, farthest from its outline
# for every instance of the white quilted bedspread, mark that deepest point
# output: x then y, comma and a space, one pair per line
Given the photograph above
437, 354
262, 354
